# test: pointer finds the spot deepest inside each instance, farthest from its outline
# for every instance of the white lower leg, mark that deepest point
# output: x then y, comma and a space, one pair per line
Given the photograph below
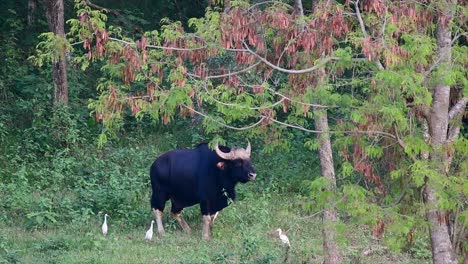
182, 222
206, 227
158, 214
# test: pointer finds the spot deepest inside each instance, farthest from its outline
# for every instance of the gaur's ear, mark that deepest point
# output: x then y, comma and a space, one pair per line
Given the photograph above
220, 165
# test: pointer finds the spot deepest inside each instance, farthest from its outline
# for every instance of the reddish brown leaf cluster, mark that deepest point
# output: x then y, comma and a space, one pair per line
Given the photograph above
233, 81
237, 27
257, 89
300, 82
370, 48
379, 229
395, 53
328, 23
185, 112
363, 165
286, 103
136, 105
112, 104
201, 70
407, 18
141, 44
268, 114
100, 36
156, 69
151, 89
376, 6
133, 65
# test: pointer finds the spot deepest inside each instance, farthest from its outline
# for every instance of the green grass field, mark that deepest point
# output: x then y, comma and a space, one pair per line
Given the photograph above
242, 234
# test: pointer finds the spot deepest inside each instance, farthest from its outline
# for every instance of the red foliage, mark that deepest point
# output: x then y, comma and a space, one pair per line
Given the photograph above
379, 229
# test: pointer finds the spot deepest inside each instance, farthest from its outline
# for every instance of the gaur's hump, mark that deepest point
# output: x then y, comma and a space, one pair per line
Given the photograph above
205, 145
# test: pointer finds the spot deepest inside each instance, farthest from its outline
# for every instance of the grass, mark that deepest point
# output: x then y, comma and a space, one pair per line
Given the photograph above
241, 235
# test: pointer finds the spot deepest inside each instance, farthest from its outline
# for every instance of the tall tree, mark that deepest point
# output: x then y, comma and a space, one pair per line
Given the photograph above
330, 218
417, 62
439, 119
55, 19
32, 6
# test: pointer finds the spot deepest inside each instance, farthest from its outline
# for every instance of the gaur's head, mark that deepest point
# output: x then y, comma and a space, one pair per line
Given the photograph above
236, 163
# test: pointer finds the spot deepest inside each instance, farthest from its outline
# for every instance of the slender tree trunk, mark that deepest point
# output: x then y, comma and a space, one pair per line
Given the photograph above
32, 6
227, 6
330, 247
298, 9
55, 18
442, 250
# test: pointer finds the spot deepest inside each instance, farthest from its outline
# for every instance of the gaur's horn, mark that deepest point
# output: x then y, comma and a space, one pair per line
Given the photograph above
249, 148
223, 155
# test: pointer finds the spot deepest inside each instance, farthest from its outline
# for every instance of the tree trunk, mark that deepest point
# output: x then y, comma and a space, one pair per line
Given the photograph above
55, 19
330, 247
32, 6
227, 6
442, 251
298, 9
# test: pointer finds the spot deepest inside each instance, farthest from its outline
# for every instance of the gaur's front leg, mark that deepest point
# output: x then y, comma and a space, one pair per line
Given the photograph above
158, 214
204, 206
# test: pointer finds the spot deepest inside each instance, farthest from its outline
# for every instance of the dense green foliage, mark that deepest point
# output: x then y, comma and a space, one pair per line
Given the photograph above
63, 167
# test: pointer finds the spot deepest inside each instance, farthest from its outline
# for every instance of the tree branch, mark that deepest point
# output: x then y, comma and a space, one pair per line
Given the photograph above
157, 47
381, 133
271, 65
114, 12
226, 74
364, 32
268, 2
458, 108
239, 105
224, 125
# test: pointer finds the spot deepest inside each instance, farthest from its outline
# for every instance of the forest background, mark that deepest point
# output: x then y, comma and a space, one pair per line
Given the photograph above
356, 111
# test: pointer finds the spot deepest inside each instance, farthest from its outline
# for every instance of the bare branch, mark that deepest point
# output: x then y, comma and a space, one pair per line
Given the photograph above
453, 133
76, 43
226, 74
458, 108
359, 17
364, 32
114, 12
239, 105
457, 37
148, 46
433, 66
288, 98
401, 142
455, 116
268, 2
271, 65
224, 125
381, 133
155, 46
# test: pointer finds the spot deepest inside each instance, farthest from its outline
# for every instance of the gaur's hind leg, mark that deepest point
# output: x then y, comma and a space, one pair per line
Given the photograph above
158, 214
158, 202
177, 214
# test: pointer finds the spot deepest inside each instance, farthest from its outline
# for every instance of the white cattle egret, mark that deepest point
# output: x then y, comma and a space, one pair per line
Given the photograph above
104, 225
283, 237
149, 233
